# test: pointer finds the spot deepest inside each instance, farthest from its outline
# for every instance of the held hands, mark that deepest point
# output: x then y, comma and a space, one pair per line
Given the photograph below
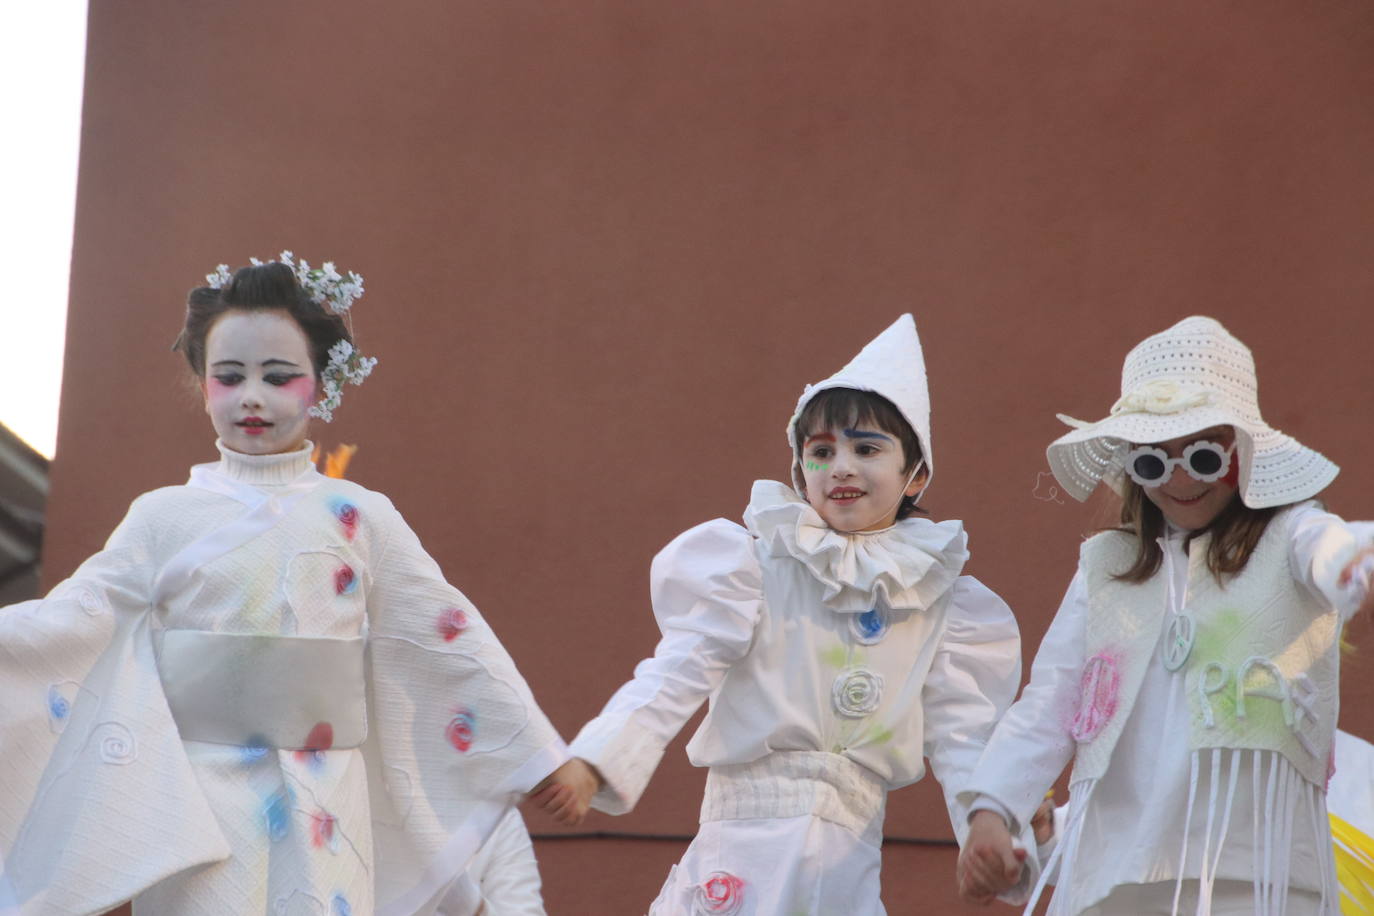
1042, 822
566, 793
988, 864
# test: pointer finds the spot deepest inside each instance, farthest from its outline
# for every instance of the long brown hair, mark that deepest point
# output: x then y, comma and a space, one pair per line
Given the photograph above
1236, 531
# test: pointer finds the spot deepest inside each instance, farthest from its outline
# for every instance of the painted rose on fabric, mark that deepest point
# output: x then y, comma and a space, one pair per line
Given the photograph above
721, 894
347, 514
870, 627
461, 729
345, 580
1098, 689
324, 831
452, 621
856, 692
320, 739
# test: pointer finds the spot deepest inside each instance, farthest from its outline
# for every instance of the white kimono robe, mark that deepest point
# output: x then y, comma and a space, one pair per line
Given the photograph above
834, 665
103, 796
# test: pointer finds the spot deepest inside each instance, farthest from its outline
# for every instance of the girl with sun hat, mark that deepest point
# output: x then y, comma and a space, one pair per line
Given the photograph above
1191, 671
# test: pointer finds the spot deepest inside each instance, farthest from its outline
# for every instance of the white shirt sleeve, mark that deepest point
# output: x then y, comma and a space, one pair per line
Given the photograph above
1320, 547
707, 593
972, 681
1032, 744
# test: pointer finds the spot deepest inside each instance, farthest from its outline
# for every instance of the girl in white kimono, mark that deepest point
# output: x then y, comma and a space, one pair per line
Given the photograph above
261, 696
1191, 671
839, 647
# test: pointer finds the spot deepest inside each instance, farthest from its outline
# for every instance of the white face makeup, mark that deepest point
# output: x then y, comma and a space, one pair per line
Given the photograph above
259, 381
1186, 501
854, 477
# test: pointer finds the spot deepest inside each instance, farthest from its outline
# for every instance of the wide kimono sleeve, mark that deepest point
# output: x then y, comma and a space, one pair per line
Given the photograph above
972, 681
97, 797
707, 593
455, 735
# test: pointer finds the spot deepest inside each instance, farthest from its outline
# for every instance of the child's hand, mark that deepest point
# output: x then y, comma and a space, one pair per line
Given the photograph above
1043, 822
1359, 568
988, 864
566, 793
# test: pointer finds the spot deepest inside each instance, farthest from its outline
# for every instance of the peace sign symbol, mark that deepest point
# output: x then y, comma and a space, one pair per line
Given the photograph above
1178, 642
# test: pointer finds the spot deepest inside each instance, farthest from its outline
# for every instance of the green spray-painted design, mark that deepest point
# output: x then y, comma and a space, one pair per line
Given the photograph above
881, 734
835, 656
816, 466
1222, 640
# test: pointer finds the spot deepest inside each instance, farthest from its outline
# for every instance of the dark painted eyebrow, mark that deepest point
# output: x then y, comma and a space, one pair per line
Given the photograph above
859, 434
280, 362
228, 362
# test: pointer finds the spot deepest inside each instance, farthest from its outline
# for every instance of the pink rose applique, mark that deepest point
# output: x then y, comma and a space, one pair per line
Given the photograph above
721, 894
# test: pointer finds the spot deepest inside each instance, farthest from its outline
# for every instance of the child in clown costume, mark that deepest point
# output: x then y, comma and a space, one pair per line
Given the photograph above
261, 696
1191, 671
839, 647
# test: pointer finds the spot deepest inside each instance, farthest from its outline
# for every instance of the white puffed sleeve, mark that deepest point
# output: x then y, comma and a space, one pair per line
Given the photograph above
707, 592
455, 733
1321, 545
972, 681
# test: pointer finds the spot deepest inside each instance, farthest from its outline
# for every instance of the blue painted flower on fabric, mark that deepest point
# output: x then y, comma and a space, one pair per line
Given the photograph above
341, 906
869, 627
58, 707
278, 814
254, 750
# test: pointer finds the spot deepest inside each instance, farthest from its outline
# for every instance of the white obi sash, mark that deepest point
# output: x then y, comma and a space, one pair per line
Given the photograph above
256, 690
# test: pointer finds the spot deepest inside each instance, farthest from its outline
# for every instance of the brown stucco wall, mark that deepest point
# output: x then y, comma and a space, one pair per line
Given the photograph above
607, 242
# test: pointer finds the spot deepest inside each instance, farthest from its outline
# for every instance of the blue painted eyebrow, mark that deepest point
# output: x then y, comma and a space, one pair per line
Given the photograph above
859, 434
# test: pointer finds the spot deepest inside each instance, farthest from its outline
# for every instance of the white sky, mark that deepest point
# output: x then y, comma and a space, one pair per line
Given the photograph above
42, 57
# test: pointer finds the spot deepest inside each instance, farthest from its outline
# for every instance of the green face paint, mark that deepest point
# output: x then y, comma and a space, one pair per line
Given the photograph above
813, 466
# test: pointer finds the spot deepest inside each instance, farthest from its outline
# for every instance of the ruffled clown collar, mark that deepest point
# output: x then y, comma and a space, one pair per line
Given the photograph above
907, 566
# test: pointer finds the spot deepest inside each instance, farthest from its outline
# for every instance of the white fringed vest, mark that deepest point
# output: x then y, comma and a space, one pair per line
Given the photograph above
1260, 655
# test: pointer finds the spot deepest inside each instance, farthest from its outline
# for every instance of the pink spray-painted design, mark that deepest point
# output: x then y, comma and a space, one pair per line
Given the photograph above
347, 514
1097, 697
452, 621
721, 894
345, 580
461, 730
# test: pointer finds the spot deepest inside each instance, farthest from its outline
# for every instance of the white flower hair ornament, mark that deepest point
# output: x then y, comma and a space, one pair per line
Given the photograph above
336, 292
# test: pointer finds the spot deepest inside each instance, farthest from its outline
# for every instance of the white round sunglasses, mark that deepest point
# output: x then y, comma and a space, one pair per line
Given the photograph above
1150, 465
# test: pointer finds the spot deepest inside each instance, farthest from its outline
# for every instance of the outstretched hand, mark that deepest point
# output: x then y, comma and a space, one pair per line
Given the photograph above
1360, 567
566, 793
988, 863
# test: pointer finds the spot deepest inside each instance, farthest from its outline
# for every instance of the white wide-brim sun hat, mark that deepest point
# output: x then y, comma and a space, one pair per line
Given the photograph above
1189, 378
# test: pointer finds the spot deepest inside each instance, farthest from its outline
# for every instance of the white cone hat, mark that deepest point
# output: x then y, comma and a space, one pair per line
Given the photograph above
891, 365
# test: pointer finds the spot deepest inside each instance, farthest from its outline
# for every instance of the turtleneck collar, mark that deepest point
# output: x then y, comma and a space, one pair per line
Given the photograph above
907, 566
265, 470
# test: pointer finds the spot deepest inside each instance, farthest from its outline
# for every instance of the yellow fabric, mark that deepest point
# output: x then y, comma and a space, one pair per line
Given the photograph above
1354, 867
